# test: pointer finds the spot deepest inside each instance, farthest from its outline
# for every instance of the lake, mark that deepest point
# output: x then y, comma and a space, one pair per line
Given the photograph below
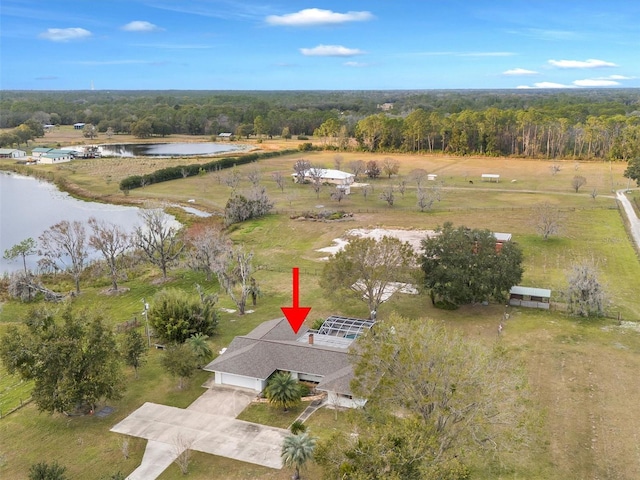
29, 206
168, 149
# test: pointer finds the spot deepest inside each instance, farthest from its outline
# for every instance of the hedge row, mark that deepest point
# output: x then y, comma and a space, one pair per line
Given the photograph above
182, 171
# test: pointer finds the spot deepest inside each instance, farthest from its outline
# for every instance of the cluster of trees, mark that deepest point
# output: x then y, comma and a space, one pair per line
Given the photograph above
529, 133
458, 266
22, 134
66, 246
436, 403
584, 124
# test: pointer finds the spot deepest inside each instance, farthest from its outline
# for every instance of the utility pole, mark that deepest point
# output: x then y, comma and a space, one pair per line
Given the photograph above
146, 321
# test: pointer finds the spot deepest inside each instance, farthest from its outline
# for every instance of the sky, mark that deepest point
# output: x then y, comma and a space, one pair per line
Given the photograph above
318, 44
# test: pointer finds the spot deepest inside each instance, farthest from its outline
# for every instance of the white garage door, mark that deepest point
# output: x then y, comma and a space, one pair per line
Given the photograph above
238, 381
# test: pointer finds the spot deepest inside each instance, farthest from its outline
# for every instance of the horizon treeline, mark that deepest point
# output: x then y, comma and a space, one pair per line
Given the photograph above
599, 124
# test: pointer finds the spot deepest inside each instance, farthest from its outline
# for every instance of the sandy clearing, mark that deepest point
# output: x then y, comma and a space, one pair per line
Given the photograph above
413, 237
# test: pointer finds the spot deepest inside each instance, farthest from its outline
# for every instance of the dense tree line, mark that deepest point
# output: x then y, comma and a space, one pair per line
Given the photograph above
584, 123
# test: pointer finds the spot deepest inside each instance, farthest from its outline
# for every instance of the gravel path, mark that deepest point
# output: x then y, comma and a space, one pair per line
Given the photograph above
634, 221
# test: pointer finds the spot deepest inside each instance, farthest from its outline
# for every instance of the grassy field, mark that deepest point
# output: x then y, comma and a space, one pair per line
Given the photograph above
583, 372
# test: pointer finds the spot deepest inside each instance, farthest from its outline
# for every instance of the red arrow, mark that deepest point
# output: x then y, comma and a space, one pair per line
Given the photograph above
296, 314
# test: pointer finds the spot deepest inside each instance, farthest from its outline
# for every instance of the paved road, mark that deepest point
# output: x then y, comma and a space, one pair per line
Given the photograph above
634, 221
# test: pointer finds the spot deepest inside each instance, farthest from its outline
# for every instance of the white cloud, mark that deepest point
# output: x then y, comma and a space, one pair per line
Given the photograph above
550, 85
594, 82
355, 64
140, 26
316, 16
486, 54
65, 34
615, 77
519, 71
590, 63
330, 51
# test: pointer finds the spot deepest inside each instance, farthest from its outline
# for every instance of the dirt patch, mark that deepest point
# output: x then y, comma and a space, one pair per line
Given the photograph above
412, 237
111, 292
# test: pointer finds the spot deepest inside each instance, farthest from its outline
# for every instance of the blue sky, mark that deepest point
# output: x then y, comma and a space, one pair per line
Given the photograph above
318, 44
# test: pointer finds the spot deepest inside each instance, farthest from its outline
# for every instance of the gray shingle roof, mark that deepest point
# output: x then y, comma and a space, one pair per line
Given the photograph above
272, 346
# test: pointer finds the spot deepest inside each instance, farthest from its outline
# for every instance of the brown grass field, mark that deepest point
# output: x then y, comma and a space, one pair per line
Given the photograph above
583, 373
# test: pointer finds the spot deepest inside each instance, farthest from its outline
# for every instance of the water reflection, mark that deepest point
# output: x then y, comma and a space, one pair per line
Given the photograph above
167, 149
28, 207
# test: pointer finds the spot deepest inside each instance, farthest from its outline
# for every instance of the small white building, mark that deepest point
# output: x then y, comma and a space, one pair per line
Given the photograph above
78, 126
490, 177
432, 177
12, 153
529, 297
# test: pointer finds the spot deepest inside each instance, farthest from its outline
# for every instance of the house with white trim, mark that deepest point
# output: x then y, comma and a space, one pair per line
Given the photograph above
12, 153
37, 152
317, 356
55, 156
327, 175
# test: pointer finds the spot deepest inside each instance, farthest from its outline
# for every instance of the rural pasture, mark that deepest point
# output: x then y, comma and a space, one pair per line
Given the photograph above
582, 372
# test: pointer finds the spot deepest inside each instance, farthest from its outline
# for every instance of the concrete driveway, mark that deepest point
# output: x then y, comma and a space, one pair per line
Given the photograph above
207, 425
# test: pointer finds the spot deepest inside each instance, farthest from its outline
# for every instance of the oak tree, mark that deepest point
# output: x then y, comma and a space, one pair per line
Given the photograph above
463, 265
366, 268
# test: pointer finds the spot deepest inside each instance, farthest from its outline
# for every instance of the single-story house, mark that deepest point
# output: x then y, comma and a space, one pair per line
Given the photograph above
39, 151
12, 153
327, 175
318, 356
55, 156
529, 297
432, 177
226, 135
78, 126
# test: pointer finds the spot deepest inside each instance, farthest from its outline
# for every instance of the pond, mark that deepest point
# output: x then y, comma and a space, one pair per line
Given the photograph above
28, 207
168, 149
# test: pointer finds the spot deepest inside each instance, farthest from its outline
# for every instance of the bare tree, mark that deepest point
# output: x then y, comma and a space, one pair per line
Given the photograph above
555, 168
111, 241
402, 186
338, 194
426, 197
316, 174
206, 246
232, 179
577, 182
182, 447
388, 195
390, 166
278, 177
373, 170
357, 167
593, 194
66, 242
158, 240
337, 161
234, 270
301, 168
366, 190
548, 219
254, 175
585, 295
418, 175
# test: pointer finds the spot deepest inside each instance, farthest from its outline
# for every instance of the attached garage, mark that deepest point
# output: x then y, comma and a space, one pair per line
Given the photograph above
240, 381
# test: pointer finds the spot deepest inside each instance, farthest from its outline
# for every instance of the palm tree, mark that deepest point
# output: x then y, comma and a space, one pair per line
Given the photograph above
297, 427
199, 345
283, 390
297, 450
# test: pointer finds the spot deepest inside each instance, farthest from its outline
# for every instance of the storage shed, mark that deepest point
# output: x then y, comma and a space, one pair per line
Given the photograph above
529, 297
